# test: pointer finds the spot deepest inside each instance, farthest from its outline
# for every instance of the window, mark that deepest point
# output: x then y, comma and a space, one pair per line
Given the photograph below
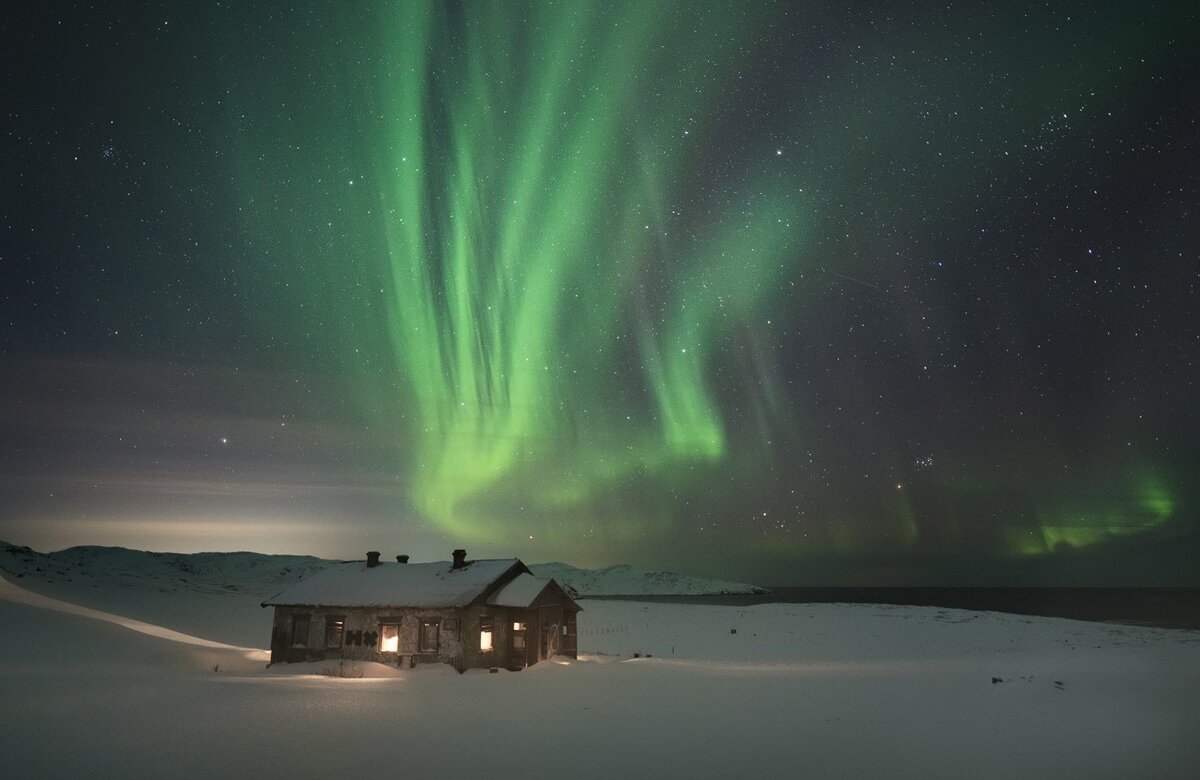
485, 637
427, 641
389, 638
300, 630
518, 626
335, 629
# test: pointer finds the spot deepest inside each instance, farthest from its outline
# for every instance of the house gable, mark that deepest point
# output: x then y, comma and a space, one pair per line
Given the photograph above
526, 591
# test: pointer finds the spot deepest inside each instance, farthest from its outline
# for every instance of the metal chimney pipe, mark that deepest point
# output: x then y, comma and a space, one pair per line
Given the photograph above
460, 559
372, 559
401, 559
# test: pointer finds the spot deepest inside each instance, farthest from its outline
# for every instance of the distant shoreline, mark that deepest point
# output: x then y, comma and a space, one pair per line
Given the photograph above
1156, 607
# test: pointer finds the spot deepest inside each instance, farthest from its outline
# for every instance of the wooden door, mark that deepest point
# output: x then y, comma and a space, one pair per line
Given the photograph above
550, 620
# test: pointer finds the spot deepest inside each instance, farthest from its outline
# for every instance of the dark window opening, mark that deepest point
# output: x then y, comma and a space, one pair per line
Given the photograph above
428, 640
335, 630
300, 630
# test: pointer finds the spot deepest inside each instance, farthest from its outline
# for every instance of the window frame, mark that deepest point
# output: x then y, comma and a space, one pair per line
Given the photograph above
300, 640
335, 626
429, 628
383, 630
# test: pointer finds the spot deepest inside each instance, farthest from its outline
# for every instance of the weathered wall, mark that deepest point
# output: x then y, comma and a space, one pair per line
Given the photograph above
501, 622
458, 635
362, 634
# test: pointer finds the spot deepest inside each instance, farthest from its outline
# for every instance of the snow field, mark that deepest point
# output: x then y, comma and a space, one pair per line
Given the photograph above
798, 691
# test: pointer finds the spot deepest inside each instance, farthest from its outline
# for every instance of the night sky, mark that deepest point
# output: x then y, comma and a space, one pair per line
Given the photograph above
799, 293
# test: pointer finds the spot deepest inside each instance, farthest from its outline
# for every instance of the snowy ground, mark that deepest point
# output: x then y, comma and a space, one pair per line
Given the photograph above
797, 691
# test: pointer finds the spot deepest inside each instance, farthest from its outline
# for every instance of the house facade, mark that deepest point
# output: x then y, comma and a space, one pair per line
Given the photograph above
469, 614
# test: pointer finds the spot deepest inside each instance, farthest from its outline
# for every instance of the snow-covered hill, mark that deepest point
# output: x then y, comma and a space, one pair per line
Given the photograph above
238, 572
628, 581
218, 595
65, 572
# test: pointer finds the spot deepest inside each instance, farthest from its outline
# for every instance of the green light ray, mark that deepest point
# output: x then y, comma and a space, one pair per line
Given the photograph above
1142, 504
513, 214
479, 221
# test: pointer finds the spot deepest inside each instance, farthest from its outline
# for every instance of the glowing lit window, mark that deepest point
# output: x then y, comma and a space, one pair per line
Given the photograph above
335, 630
389, 638
485, 637
518, 626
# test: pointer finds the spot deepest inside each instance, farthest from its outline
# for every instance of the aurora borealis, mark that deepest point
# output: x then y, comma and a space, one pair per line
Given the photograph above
776, 291
544, 324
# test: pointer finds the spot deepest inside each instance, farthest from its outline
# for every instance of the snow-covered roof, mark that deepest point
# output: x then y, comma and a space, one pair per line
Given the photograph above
521, 592
425, 585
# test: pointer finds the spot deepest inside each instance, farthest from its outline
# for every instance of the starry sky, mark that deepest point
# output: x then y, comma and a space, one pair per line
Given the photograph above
801, 293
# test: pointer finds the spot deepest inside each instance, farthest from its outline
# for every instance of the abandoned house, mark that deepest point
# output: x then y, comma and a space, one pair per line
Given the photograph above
469, 614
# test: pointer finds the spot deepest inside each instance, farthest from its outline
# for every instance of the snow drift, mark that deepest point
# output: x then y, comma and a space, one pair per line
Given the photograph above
663, 690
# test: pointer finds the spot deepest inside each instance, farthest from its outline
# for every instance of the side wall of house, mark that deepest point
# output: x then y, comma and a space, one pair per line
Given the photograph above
499, 621
557, 628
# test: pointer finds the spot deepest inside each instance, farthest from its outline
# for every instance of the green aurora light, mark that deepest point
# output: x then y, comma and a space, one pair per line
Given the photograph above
514, 243
512, 226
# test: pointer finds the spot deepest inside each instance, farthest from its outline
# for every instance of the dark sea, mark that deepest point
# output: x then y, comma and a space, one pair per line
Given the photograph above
1159, 607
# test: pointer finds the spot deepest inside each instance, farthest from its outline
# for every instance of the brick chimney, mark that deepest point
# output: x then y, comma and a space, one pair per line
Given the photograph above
460, 559
372, 559
401, 559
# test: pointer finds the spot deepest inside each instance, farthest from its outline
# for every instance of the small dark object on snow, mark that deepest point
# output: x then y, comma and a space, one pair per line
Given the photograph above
733, 630
1059, 684
494, 670
637, 655
996, 680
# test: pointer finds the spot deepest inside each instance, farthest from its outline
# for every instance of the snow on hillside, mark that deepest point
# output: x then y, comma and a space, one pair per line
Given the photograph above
217, 594
773, 690
221, 593
628, 581
238, 572
264, 575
